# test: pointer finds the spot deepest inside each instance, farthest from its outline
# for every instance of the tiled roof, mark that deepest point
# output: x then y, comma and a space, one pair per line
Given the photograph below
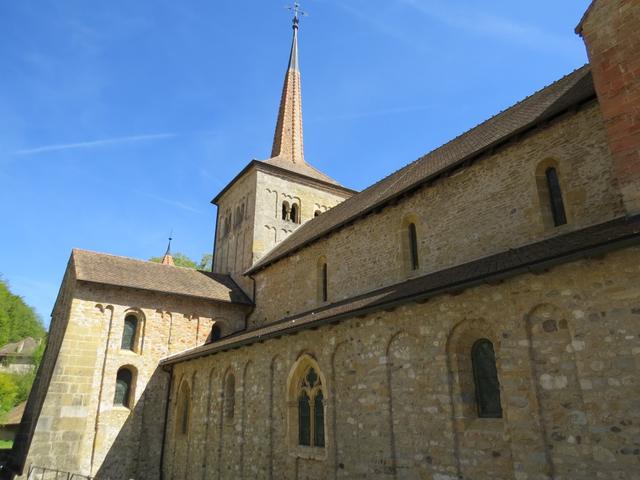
535, 257
128, 272
543, 105
301, 169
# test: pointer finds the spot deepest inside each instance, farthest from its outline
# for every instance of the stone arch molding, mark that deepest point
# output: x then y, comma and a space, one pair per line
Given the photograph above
299, 369
553, 348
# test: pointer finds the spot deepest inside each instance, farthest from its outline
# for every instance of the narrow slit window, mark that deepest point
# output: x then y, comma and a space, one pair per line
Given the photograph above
325, 283
555, 197
285, 210
129, 332
485, 375
413, 247
295, 213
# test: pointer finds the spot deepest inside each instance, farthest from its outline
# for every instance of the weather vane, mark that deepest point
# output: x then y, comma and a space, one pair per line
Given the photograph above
297, 13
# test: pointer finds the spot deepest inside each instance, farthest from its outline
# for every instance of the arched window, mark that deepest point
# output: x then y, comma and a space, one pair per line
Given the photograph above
184, 409
310, 410
555, 197
285, 210
129, 333
485, 376
124, 390
229, 396
216, 333
238, 216
306, 405
413, 247
295, 213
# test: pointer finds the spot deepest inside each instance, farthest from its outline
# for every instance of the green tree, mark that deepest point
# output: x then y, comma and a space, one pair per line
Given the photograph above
17, 319
182, 260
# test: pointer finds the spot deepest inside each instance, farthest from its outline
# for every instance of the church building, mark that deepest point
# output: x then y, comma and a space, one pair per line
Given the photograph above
474, 315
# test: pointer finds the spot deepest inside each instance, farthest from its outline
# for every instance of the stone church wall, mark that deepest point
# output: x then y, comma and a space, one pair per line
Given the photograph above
399, 399
80, 430
491, 206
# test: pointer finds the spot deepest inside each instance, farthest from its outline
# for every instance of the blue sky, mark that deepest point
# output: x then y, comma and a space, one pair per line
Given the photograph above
120, 120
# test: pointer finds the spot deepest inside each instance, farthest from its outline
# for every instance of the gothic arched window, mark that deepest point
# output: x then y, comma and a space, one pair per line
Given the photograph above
295, 213
129, 333
229, 396
485, 376
286, 209
124, 390
555, 197
413, 247
310, 410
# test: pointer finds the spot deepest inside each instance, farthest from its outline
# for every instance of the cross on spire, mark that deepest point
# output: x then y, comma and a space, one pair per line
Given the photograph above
297, 13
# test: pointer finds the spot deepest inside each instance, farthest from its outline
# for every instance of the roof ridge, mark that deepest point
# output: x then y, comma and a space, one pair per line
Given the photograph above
473, 141
123, 257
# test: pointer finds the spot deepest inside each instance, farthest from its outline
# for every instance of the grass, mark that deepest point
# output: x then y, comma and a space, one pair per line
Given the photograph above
6, 444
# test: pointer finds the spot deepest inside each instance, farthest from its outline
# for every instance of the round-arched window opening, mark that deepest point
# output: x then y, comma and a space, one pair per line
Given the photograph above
124, 388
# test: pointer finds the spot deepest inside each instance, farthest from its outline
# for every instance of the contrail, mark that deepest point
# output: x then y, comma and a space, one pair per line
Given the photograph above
92, 144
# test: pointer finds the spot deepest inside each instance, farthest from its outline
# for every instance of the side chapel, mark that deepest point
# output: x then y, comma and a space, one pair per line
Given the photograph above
474, 315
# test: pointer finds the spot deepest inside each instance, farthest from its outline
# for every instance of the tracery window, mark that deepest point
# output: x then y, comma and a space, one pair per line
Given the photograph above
124, 384
555, 197
485, 376
310, 410
129, 333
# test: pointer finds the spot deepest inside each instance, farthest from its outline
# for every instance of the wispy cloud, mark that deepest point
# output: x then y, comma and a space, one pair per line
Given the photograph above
479, 22
93, 143
172, 203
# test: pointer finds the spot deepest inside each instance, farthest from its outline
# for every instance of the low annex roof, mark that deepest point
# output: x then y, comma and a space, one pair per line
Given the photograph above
552, 100
128, 272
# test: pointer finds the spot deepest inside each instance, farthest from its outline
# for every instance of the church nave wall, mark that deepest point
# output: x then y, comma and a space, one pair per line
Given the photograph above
490, 206
400, 388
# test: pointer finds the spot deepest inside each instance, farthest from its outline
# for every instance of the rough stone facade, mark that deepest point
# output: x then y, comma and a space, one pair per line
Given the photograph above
469, 215
399, 395
79, 429
355, 356
250, 216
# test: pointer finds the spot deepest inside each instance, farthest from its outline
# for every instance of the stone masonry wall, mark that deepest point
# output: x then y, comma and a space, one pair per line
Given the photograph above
272, 191
495, 204
399, 398
80, 430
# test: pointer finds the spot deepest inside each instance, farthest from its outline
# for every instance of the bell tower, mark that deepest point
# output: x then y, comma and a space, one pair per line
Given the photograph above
270, 199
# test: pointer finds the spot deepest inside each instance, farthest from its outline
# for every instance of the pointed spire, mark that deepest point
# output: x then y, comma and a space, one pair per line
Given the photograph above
287, 141
168, 258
